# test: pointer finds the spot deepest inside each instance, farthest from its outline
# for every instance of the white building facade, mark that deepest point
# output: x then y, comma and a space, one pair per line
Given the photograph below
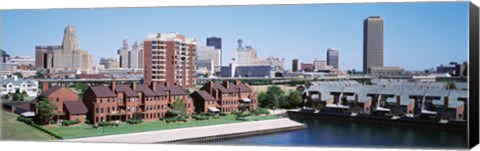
10, 84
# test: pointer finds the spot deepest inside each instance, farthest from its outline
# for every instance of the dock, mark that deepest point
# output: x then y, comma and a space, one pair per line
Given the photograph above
199, 134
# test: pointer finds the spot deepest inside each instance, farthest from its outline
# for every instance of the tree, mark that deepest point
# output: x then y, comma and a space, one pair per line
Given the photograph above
178, 108
294, 99
262, 99
15, 97
18, 74
274, 97
45, 110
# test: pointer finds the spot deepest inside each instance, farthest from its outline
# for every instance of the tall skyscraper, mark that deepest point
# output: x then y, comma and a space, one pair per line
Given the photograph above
215, 42
170, 58
294, 65
372, 42
130, 58
332, 58
68, 56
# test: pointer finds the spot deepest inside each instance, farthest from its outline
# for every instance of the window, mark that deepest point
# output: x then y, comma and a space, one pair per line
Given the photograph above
100, 100
96, 110
101, 110
108, 99
113, 108
108, 110
56, 99
128, 109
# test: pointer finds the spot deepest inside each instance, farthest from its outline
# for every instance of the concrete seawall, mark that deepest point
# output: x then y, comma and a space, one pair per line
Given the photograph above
200, 134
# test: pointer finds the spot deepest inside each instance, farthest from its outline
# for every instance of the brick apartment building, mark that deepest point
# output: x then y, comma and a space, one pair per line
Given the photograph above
229, 97
124, 102
173, 53
66, 101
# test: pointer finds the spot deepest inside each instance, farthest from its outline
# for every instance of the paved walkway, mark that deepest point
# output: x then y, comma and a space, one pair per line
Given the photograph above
192, 132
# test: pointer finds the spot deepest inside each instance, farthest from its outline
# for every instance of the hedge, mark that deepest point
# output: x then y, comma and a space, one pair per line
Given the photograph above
137, 121
175, 119
222, 114
200, 117
107, 124
25, 119
259, 111
46, 131
68, 123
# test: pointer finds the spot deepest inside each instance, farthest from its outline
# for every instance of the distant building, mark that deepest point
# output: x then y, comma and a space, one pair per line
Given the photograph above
209, 53
386, 70
4, 57
109, 63
319, 65
246, 56
66, 57
216, 42
332, 58
23, 60
10, 84
372, 42
454, 69
170, 58
251, 71
270, 61
294, 65
131, 58
307, 67
207, 65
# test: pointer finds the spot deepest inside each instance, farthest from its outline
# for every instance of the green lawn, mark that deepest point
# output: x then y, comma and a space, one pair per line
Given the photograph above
86, 130
16, 130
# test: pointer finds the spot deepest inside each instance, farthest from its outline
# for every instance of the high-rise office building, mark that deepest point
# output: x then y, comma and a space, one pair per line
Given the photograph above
332, 58
372, 42
210, 53
215, 42
130, 58
68, 56
294, 65
170, 58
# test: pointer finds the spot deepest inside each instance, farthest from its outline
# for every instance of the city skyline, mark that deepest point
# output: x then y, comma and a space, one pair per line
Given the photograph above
307, 30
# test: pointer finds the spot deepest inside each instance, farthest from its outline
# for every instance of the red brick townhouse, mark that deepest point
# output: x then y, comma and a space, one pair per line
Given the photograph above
62, 98
123, 102
229, 96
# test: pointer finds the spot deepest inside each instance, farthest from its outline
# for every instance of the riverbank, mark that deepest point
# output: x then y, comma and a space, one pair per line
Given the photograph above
194, 134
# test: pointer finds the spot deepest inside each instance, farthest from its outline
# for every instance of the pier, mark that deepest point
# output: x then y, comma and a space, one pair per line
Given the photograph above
200, 134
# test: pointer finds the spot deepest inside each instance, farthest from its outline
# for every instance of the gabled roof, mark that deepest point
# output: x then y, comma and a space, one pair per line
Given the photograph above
101, 91
126, 89
51, 90
204, 94
75, 107
161, 90
232, 87
177, 90
220, 87
146, 90
244, 87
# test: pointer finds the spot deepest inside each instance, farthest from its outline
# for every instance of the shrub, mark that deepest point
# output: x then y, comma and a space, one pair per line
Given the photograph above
175, 119
137, 121
25, 119
200, 117
87, 121
216, 117
68, 122
260, 111
107, 124
222, 114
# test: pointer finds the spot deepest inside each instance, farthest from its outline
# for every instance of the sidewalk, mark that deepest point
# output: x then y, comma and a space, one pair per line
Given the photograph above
193, 132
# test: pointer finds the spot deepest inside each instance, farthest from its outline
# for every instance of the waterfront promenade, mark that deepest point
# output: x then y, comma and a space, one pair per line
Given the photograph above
203, 132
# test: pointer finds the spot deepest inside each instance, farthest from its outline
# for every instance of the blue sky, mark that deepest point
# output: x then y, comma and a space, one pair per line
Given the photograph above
417, 35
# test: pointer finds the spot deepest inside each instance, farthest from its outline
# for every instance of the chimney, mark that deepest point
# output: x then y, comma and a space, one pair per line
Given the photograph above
237, 82
44, 86
211, 87
167, 84
113, 86
134, 86
153, 85
226, 84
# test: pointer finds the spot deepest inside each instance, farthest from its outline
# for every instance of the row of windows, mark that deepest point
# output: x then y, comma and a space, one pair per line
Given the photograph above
102, 109
156, 98
154, 107
229, 102
106, 100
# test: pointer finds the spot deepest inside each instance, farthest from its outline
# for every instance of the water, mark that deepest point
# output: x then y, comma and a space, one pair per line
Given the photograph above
347, 134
